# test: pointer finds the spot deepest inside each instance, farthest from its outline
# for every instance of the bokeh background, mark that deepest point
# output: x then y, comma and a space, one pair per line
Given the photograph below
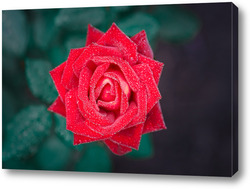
194, 43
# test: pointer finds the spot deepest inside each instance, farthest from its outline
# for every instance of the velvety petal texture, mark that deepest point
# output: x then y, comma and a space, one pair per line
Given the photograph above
108, 90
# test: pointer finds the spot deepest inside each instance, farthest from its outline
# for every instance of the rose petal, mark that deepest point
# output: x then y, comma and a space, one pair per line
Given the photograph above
141, 100
101, 85
146, 76
85, 107
75, 122
69, 79
98, 73
128, 72
58, 107
143, 46
80, 139
94, 50
116, 148
115, 37
112, 105
124, 103
56, 75
155, 121
93, 35
119, 123
154, 65
129, 137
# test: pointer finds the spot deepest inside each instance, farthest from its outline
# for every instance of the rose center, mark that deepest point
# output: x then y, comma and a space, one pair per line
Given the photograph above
106, 94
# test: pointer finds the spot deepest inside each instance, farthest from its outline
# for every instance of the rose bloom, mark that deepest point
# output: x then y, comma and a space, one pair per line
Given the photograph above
108, 90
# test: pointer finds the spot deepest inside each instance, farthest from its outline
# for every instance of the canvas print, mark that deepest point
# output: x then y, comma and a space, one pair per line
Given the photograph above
147, 89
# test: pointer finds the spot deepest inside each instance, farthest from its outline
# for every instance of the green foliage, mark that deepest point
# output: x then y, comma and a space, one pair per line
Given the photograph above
138, 22
20, 164
39, 80
77, 19
58, 55
9, 106
177, 24
15, 32
95, 159
145, 149
26, 130
53, 155
75, 41
43, 27
66, 136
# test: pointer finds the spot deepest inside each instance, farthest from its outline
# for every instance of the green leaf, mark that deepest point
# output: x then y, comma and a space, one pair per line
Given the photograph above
39, 80
177, 24
120, 9
137, 22
94, 159
9, 107
75, 41
26, 164
77, 19
145, 149
43, 27
15, 31
26, 130
66, 136
12, 69
53, 155
58, 55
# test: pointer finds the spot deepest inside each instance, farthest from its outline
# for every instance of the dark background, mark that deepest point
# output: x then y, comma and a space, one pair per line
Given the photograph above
196, 102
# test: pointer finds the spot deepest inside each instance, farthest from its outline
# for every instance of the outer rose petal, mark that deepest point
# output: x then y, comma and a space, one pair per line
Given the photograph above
154, 65
94, 50
69, 79
143, 46
58, 107
93, 35
116, 148
146, 76
118, 125
155, 121
74, 120
56, 75
80, 139
129, 137
115, 37
141, 101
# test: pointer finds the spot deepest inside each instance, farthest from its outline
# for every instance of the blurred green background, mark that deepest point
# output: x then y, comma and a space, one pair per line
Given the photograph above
36, 41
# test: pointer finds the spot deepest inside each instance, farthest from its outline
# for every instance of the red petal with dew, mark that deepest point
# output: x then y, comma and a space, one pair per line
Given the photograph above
155, 120
143, 46
154, 65
146, 76
119, 123
56, 75
80, 139
93, 35
58, 107
85, 106
141, 100
116, 148
129, 137
94, 50
128, 72
98, 73
69, 79
75, 122
115, 37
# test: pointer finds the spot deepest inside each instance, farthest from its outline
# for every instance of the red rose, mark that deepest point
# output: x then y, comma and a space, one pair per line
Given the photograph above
108, 90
